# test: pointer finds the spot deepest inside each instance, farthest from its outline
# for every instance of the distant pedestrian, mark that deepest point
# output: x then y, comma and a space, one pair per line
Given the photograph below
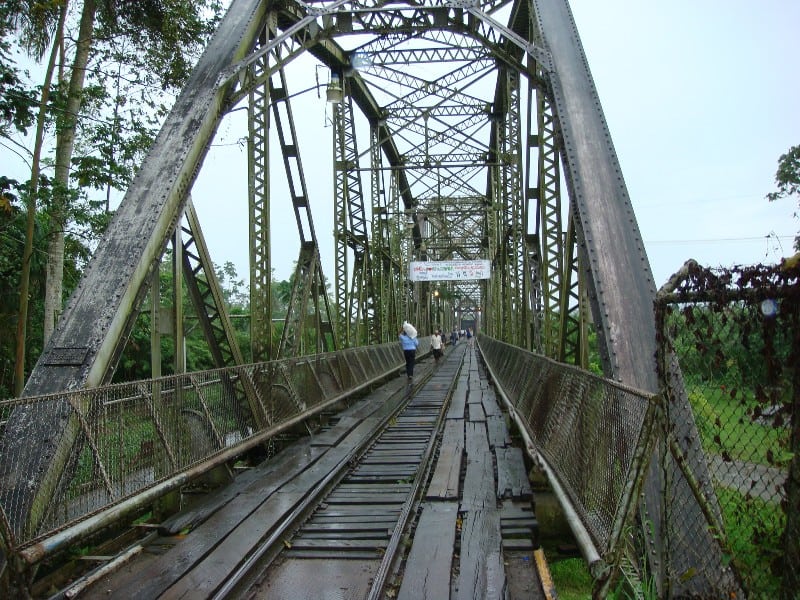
436, 345
409, 345
470, 338
453, 337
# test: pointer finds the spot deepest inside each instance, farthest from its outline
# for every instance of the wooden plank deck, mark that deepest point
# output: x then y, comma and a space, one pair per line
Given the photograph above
474, 537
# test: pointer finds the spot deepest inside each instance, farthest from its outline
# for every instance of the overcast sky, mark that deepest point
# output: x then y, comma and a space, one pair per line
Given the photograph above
701, 98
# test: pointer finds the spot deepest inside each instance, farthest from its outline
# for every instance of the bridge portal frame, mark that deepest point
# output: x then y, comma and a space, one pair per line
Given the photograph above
611, 258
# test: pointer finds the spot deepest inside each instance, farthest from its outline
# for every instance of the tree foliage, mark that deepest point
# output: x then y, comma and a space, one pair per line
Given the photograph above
787, 179
12, 233
130, 57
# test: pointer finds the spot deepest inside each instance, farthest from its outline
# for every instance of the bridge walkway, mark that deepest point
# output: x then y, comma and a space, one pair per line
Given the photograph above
415, 491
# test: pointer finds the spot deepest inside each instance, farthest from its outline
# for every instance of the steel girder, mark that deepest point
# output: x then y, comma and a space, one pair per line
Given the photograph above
207, 298
258, 192
561, 311
356, 303
574, 305
344, 320
386, 251
94, 327
309, 308
512, 316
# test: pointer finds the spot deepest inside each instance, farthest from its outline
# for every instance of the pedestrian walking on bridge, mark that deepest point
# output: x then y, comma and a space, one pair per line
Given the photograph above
409, 345
436, 345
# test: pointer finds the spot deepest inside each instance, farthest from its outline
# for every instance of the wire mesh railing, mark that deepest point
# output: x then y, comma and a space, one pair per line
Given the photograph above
735, 335
121, 442
594, 434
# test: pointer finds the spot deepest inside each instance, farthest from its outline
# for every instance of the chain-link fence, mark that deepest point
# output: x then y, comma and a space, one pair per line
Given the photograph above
730, 346
106, 446
595, 436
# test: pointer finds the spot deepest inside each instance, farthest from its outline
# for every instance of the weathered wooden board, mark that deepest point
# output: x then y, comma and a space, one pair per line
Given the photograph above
479, 483
447, 474
476, 413
490, 405
429, 565
458, 400
518, 525
356, 542
287, 461
248, 488
498, 432
481, 573
512, 477
331, 436
199, 562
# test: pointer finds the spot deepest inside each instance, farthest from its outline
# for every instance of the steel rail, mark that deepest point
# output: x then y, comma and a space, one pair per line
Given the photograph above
309, 503
388, 560
258, 562
582, 537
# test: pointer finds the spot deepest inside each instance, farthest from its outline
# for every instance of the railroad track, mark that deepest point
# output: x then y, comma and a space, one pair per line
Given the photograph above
414, 493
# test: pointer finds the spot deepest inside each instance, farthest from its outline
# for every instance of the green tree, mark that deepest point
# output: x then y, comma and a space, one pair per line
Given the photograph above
12, 241
35, 23
149, 45
787, 177
165, 37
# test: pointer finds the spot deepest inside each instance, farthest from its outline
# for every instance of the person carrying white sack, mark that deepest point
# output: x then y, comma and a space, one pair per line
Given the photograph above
409, 345
410, 330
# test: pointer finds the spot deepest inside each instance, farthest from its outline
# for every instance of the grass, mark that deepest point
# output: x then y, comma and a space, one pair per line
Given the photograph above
571, 579
754, 529
726, 427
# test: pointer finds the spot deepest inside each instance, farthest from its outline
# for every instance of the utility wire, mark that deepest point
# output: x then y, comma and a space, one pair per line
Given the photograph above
722, 240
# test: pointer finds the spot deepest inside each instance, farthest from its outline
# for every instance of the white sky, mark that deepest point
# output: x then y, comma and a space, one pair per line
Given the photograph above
701, 99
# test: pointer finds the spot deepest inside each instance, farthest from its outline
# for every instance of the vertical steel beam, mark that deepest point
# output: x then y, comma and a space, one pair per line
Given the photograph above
177, 302
155, 317
549, 223
573, 346
351, 224
492, 298
258, 123
305, 326
340, 232
207, 298
516, 311
385, 257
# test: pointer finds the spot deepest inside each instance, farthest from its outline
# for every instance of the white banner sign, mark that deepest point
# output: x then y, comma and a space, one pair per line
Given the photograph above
450, 270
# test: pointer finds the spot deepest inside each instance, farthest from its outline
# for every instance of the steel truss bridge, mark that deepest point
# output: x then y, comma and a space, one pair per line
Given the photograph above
461, 130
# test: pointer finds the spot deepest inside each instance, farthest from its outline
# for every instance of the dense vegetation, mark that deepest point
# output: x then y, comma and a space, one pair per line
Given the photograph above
84, 88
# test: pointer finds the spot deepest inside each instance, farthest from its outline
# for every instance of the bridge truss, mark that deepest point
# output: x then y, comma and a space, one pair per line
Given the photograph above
455, 128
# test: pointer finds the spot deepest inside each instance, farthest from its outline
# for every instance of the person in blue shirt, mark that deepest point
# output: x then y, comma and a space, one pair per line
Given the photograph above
409, 346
